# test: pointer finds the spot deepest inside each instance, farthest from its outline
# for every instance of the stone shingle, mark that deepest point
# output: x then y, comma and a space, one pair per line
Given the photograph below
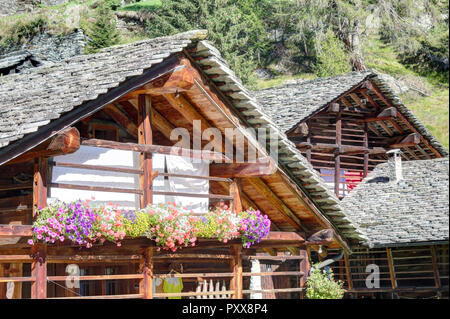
414, 210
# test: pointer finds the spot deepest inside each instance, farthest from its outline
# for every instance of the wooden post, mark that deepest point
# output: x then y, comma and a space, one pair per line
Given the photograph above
39, 271
236, 251
437, 280
366, 154
145, 137
308, 140
337, 158
348, 273
40, 184
304, 267
391, 268
146, 283
235, 191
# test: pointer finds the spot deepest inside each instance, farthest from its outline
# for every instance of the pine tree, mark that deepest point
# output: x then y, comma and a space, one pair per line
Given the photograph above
229, 28
103, 32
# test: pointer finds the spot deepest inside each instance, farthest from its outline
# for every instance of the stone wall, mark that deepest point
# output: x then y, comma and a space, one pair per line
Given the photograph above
48, 48
10, 7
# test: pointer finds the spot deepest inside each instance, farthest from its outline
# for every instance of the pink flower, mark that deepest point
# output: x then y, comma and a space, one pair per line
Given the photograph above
30, 242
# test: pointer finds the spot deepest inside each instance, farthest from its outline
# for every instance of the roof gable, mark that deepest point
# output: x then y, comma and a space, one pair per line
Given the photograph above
292, 103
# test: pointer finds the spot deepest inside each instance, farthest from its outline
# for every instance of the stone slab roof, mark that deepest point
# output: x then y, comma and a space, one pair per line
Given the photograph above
290, 104
412, 211
29, 102
17, 60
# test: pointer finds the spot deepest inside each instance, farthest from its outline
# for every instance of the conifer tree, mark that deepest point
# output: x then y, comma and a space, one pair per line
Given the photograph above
103, 32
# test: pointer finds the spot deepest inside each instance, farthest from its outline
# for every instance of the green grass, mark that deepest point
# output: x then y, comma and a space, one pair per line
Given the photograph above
149, 5
432, 111
280, 80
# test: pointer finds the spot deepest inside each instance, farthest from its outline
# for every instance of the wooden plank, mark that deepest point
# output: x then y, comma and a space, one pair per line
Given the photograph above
15, 230
268, 194
274, 273
98, 188
196, 275
128, 296
210, 196
17, 279
260, 167
167, 150
98, 167
98, 277
145, 138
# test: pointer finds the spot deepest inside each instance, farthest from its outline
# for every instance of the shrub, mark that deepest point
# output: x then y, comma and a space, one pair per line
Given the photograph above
102, 32
321, 285
331, 58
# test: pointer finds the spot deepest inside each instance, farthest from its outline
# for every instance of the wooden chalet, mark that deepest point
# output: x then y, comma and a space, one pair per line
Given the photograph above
128, 99
406, 222
346, 127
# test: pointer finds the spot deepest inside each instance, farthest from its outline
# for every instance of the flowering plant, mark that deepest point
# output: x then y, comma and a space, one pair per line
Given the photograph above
108, 225
171, 226
254, 227
220, 223
59, 220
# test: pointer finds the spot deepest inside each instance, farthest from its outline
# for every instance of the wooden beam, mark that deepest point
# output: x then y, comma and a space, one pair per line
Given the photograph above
39, 272
65, 142
40, 181
158, 121
344, 149
410, 140
391, 268
146, 283
122, 119
181, 79
235, 191
304, 268
437, 280
401, 117
347, 272
261, 167
167, 150
145, 138
236, 251
322, 237
189, 112
337, 158
269, 195
15, 230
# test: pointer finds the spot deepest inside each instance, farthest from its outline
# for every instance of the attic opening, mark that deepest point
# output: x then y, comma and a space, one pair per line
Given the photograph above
348, 137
